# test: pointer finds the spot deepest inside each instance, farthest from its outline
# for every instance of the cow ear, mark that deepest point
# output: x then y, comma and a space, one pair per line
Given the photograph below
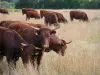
63, 42
37, 32
23, 46
53, 32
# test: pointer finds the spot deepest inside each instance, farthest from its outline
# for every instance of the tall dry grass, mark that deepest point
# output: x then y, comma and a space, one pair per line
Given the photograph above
82, 55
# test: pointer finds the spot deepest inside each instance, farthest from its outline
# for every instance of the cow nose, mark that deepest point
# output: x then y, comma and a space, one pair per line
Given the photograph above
45, 46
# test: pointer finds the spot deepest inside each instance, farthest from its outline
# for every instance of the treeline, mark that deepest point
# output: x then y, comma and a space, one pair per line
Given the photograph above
57, 4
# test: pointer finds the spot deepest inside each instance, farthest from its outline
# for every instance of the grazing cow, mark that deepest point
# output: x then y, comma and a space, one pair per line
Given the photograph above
50, 17
24, 10
3, 11
13, 46
61, 18
50, 42
32, 14
57, 45
78, 15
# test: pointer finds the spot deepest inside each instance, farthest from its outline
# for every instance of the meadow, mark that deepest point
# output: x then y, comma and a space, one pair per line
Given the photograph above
82, 56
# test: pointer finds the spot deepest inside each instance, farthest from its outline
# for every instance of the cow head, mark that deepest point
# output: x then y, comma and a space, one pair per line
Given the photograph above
58, 45
29, 49
60, 48
85, 17
45, 34
23, 10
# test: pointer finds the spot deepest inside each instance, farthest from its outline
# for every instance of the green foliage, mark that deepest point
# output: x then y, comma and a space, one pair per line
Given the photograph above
3, 3
56, 4
8, 5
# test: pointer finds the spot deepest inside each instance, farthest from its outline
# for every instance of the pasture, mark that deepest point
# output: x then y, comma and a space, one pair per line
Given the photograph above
82, 55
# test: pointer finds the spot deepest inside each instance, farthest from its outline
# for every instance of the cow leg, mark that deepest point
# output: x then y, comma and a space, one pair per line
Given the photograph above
39, 60
25, 60
11, 61
34, 60
1, 58
10, 65
71, 19
26, 18
9, 57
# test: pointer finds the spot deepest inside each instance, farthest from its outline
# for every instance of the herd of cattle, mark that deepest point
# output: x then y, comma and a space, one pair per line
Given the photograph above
51, 17
29, 41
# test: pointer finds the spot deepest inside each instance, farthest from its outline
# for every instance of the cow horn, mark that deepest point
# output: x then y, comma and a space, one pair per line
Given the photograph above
34, 28
68, 42
23, 44
56, 28
38, 48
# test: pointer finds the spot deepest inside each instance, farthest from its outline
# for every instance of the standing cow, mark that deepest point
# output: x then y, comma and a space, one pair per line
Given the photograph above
78, 15
24, 10
50, 17
4, 11
32, 14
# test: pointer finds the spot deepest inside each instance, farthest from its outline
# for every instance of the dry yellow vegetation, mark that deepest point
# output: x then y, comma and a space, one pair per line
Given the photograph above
82, 55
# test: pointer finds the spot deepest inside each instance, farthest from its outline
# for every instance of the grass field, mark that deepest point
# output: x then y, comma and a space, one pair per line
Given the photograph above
82, 55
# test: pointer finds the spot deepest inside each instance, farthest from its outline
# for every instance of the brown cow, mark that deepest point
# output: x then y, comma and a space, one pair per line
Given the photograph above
55, 44
24, 10
58, 45
13, 46
32, 14
50, 17
6, 23
78, 15
3, 11
61, 18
